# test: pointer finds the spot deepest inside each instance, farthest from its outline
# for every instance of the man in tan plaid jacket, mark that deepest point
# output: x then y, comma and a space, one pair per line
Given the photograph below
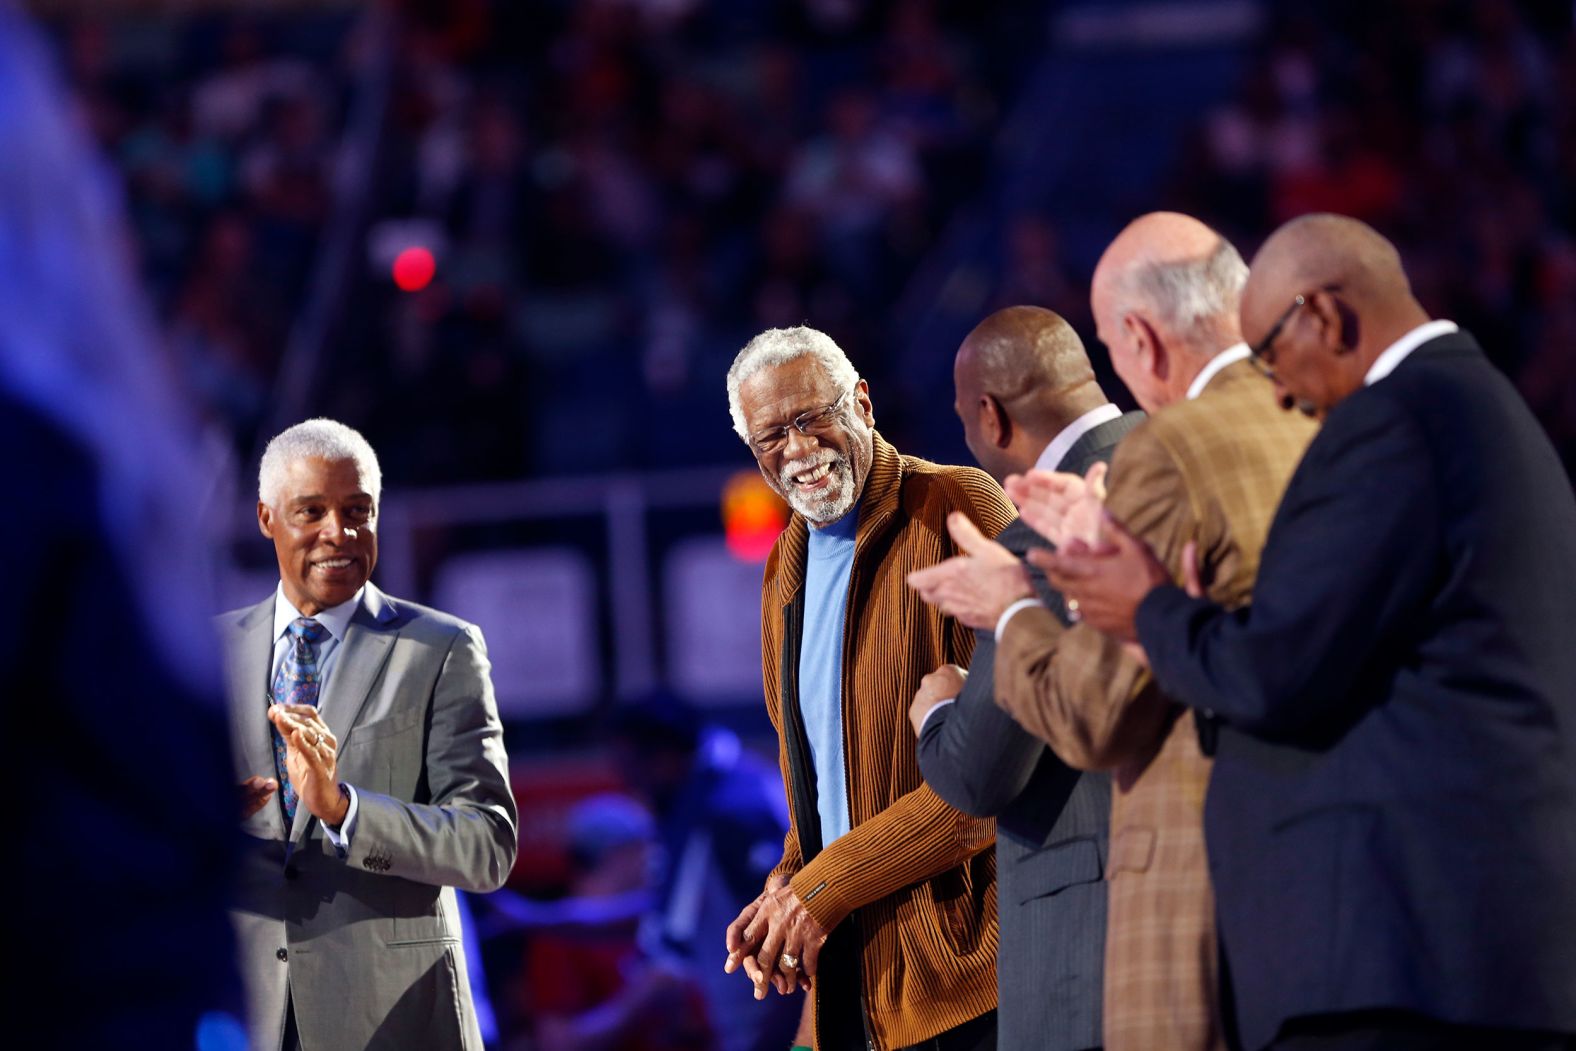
1209, 468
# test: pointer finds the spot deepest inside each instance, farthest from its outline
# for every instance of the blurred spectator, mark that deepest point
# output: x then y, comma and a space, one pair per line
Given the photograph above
123, 813
721, 817
627, 189
1441, 124
591, 988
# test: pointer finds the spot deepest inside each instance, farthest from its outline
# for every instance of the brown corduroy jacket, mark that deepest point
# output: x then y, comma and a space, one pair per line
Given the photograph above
1210, 470
913, 873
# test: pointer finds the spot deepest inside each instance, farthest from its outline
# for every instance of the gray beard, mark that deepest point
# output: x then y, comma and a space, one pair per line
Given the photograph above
829, 504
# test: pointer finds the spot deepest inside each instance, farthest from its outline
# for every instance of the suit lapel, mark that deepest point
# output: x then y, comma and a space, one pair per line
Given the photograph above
250, 646
368, 642
369, 639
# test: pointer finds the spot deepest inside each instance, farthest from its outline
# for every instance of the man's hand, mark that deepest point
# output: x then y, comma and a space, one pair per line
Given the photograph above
943, 684
311, 761
778, 926
733, 938
977, 586
1060, 507
1107, 582
255, 794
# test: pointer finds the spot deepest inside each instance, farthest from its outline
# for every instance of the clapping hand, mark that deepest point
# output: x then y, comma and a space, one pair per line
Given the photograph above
977, 586
311, 760
1060, 507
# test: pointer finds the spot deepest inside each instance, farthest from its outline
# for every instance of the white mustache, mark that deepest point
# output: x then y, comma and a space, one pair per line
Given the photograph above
809, 463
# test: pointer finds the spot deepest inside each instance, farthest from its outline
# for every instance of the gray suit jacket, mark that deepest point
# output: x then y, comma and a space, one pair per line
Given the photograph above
1052, 829
368, 946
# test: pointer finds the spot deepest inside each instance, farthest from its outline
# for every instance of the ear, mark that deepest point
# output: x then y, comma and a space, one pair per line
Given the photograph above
1338, 325
862, 404
1147, 345
265, 520
1351, 327
995, 424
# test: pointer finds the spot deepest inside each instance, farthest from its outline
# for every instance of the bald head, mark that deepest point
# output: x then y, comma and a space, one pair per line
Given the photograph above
1021, 376
1313, 251
1327, 295
1024, 351
1165, 296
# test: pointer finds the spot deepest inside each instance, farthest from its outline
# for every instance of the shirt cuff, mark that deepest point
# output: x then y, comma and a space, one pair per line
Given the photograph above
933, 710
1011, 611
347, 829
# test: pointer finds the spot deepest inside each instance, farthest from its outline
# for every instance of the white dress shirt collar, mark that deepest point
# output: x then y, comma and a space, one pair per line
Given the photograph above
336, 618
1230, 356
1061, 445
1402, 348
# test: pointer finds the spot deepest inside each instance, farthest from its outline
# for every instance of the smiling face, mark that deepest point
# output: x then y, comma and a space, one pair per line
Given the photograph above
323, 524
822, 473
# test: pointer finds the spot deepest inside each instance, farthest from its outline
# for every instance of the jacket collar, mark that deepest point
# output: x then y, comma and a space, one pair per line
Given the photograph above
367, 645
878, 505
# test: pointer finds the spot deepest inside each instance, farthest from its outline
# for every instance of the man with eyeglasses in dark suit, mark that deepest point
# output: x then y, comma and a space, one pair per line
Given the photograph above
1390, 826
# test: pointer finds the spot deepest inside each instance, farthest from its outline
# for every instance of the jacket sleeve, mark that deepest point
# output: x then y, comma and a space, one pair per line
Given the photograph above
1347, 570
980, 498
915, 838
1080, 691
466, 835
971, 752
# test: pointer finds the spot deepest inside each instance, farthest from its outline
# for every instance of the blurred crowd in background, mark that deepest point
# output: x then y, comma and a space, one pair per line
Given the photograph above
625, 192
1449, 126
619, 193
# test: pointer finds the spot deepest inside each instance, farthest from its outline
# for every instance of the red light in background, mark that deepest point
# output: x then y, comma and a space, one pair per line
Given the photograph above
413, 269
752, 516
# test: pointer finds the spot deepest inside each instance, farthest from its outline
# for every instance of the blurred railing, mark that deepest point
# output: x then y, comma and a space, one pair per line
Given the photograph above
586, 588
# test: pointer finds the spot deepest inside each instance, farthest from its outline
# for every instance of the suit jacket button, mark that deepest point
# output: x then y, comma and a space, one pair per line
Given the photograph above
283, 954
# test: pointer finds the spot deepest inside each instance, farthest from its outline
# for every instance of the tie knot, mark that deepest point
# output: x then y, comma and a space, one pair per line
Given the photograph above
309, 630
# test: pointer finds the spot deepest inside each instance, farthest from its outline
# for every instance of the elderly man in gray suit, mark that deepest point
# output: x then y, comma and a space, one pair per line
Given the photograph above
374, 775
1027, 397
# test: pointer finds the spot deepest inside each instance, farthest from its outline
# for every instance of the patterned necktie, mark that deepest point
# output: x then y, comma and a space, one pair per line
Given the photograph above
296, 683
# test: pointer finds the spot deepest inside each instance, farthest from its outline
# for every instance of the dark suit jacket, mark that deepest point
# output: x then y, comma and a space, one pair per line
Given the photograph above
1052, 828
1392, 821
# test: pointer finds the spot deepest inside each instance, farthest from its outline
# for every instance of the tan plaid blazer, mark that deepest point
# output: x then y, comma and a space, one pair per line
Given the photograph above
1212, 470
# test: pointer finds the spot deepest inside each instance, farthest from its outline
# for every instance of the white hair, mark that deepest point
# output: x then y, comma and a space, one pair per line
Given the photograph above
1195, 298
778, 346
323, 439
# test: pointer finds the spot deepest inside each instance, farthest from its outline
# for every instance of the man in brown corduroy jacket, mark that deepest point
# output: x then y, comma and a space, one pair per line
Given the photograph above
884, 900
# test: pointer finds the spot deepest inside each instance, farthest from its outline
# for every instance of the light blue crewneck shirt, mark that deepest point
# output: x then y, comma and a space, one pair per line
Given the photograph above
827, 570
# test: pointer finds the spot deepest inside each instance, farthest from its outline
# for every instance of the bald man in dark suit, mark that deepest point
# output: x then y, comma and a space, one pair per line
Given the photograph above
1027, 397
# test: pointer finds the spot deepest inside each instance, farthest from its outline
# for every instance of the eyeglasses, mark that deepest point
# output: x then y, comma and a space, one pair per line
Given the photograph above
1263, 352
772, 440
